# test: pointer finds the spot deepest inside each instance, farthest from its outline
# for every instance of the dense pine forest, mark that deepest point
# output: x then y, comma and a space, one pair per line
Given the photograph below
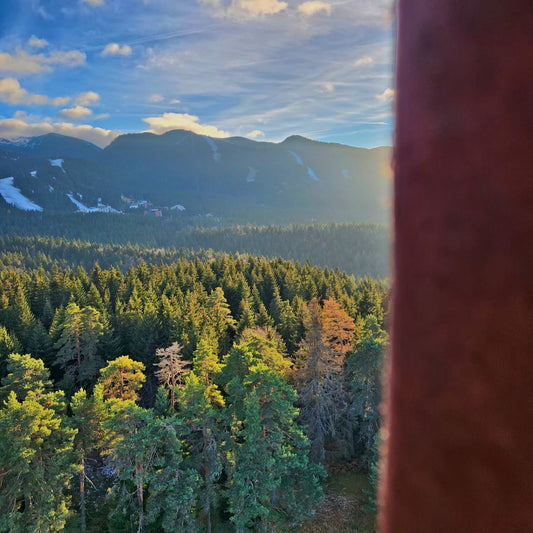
359, 249
162, 391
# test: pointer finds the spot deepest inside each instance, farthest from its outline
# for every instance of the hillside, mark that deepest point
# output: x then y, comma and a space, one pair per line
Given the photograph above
181, 174
358, 249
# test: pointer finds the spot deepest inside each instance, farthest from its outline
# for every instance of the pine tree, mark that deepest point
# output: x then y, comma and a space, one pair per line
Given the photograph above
271, 484
79, 333
122, 378
37, 459
320, 382
88, 418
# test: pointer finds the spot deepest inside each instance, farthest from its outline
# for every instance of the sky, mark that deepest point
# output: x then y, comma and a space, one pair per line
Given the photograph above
262, 69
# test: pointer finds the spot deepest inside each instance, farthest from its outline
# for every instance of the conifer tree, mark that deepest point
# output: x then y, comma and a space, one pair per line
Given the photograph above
37, 459
79, 333
122, 378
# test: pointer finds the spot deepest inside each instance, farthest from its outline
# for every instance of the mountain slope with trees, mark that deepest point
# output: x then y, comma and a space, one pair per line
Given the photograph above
235, 179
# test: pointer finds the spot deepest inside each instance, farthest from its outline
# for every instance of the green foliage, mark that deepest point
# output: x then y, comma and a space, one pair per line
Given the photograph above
121, 379
226, 337
365, 368
37, 459
79, 333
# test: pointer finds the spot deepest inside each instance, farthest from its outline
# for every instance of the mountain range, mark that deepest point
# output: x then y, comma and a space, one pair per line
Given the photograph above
183, 174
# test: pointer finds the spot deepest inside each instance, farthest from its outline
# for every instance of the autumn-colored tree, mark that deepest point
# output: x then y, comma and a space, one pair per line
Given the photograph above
320, 373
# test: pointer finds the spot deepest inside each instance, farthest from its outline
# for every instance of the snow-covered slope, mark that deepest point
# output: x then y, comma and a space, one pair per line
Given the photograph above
13, 196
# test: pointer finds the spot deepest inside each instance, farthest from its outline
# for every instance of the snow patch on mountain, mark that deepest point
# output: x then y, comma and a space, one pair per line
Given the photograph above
312, 174
18, 141
79, 205
33, 173
84, 209
57, 163
14, 197
297, 157
251, 174
214, 147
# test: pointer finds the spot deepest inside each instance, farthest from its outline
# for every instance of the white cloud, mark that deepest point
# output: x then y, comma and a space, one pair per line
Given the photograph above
182, 121
76, 113
255, 133
387, 95
94, 2
364, 62
26, 63
155, 98
11, 128
60, 100
114, 49
37, 43
12, 93
101, 116
326, 87
88, 98
311, 8
244, 8
175, 101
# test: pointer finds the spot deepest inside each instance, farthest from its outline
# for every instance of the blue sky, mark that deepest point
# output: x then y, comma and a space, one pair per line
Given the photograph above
264, 69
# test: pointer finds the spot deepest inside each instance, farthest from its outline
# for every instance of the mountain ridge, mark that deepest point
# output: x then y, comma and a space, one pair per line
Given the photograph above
218, 176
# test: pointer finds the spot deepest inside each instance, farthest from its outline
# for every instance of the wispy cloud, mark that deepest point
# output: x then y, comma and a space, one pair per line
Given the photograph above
243, 9
22, 62
312, 8
156, 98
94, 2
366, 61
255, 133
88, 98
34, 42
179, 121
114, 49
387, 95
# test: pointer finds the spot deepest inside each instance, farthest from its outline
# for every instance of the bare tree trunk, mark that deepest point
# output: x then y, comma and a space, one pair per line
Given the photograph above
83, 524
140, 498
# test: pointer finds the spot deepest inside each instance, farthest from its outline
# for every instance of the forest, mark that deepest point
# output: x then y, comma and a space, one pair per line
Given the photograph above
196, 392
359, 249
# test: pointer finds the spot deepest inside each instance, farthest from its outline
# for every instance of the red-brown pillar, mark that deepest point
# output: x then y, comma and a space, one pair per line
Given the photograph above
460, 447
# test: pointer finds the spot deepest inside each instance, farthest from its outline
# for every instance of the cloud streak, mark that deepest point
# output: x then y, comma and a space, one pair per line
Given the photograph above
312, 8
244, 9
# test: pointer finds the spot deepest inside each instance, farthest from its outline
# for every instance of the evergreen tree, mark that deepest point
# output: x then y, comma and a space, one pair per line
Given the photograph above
122, 378
88, 418
271, 484
79, 333
37, 459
